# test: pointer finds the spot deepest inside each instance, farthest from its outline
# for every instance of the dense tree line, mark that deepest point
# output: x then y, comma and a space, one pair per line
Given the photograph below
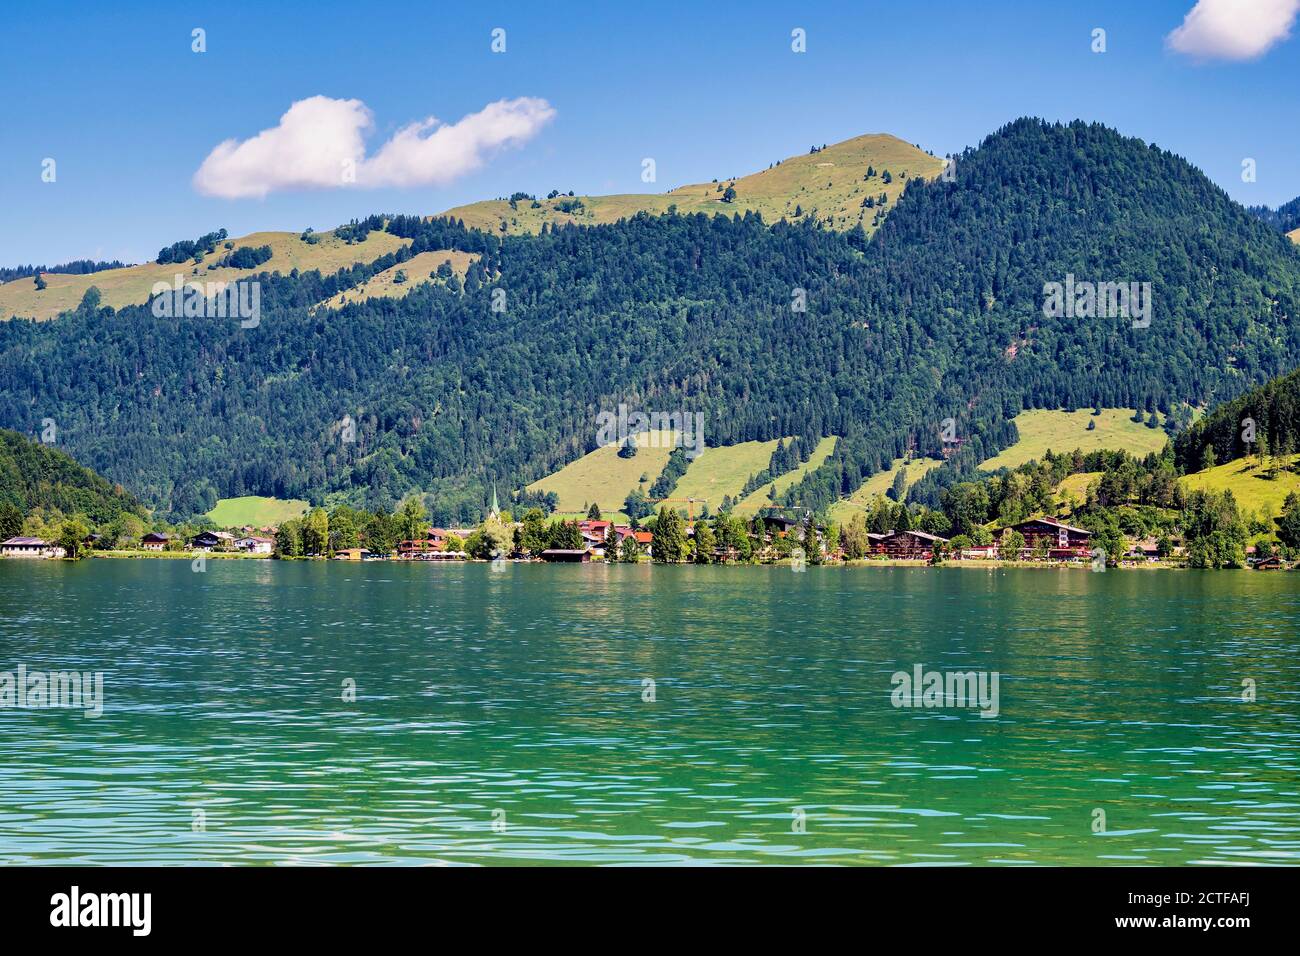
1284, 218
188, 249
34, 476
78, 267
1264, 421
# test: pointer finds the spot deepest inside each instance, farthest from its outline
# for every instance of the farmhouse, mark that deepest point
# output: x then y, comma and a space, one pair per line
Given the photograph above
595, 542
154, 541
252, 544
594, 527
1144, 550
644, 539
213, 540
779, 523
21, 547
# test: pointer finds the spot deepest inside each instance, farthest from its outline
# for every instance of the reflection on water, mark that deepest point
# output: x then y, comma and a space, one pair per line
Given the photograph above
499, 718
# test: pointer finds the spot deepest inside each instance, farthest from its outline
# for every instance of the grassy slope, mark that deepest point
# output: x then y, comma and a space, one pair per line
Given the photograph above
604, 478
417, 270
132, 285
254, 510
878, 484
1295, 235
828, 184
759, 499
1042, 430
1074, 488
1244, 478
723, 471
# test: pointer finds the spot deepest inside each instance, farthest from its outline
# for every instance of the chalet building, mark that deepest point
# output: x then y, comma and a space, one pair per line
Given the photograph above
419, 547
779, 523
1062, 540
876, 542
575, 555
22, 547
213, 541
155, 541
1144, 550
351, 554
644, 539
1271, 563
910, 545
594, 527
433, 542
252, 544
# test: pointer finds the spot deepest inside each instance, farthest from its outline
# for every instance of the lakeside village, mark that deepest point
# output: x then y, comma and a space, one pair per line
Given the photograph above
771, 536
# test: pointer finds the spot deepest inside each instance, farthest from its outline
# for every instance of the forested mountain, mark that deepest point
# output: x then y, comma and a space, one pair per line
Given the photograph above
36, 476
1265, 420
1285, 218
500, 378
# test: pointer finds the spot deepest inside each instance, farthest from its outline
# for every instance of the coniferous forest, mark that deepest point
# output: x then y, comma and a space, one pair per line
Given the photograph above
499, 378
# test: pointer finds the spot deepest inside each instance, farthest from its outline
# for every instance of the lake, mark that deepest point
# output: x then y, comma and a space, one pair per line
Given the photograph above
509, 717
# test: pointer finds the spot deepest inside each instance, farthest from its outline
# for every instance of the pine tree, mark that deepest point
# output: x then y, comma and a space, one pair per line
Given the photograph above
704, 543
812, 545
670, 537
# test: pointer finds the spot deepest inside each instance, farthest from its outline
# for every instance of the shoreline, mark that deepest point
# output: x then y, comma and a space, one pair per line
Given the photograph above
974, 564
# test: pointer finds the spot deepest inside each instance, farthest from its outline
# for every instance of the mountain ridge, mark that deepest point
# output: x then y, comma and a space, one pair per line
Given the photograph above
829, 185
939, 315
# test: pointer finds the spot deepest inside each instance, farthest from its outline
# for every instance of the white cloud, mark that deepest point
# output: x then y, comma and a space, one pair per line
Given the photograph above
319, 144
1234, 29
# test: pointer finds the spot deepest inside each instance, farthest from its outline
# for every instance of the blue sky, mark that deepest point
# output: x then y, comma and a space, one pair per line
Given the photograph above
115, 95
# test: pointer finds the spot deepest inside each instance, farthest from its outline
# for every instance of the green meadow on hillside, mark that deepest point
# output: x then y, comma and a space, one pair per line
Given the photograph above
415, 271
1073, 489
254, 510
133, 284
1042, 430
1248, 480
722, 471
878, 484
606, 479
751, 503
829, 185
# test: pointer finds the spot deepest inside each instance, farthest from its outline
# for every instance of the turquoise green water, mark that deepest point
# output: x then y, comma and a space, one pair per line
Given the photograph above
499, 717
